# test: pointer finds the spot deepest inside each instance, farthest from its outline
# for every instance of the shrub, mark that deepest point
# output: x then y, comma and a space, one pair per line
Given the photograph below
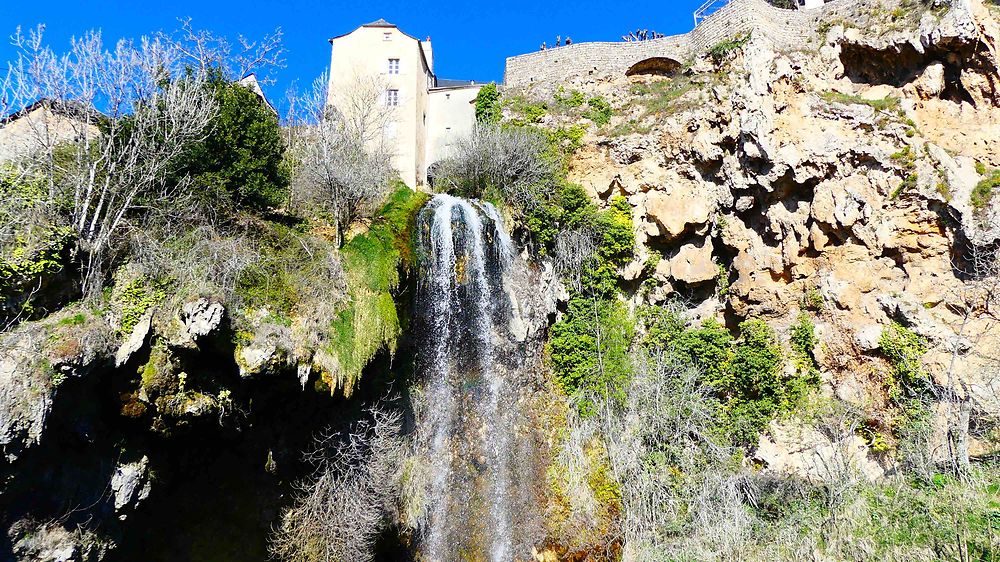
526, 112
804, 341
747, 375
242, 158
589, 346
488, 108
721, 50
574, 98
35, 244
589, 350
904, 350
982, 194
599, 111
131, 298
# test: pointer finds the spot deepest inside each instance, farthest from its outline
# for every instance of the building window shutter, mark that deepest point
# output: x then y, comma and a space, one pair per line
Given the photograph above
392, 98
393, 66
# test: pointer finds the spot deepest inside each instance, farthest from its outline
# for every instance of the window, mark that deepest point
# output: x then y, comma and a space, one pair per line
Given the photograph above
393, 66
392, 98
447, 96
387, 36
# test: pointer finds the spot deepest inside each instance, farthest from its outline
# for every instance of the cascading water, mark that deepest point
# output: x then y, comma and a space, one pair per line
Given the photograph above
468, 424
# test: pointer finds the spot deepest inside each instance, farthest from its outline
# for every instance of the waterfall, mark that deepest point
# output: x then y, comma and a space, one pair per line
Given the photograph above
463, 312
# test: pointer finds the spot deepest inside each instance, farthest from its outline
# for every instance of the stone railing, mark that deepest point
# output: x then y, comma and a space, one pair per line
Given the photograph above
787, 29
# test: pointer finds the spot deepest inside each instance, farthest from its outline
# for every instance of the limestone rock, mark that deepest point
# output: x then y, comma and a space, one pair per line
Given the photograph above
135, 341
867, 338
677, 210
693, 264
804, 451
130, 485
930, 83
200, 318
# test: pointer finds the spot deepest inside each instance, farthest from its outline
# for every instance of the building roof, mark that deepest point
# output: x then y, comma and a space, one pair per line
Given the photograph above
250, 81
72, 109
384, 24
448, 83
379, 23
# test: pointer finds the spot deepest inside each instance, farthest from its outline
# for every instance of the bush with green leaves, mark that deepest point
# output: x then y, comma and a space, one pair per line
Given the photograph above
904, 350
598, 110
489, 109
589, 346
985, 190
723, 49
747, 374
242, 159
35, 243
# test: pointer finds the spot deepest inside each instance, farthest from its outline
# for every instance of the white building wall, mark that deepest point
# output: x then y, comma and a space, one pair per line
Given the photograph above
451, 115
363, 56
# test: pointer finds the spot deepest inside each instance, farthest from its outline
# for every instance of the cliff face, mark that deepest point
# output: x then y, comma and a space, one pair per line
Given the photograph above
848, 180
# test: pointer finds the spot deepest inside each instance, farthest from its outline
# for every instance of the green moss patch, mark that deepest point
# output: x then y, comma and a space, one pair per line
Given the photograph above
372, 261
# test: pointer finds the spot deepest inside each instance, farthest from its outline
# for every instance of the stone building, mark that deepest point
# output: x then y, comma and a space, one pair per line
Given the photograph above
42, 125
423, 115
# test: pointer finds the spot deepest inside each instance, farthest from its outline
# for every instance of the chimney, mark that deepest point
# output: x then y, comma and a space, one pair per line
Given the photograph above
429, 53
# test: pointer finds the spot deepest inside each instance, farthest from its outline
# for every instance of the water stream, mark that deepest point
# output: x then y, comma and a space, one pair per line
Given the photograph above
464, 312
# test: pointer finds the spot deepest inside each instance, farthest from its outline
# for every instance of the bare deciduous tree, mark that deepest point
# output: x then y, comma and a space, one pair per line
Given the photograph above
210, 52
573, 250
510, 160
340, 510
976, 303
339, 141
148, 108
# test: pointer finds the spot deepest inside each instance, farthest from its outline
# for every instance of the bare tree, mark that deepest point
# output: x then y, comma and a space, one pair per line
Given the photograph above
150, 110
340, 142
574, 248
340, 510
668, 420
209, 52
976, 303
511, 161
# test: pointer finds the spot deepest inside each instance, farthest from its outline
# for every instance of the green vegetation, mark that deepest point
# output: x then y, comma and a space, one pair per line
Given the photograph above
746, 374
371, 262
658, 96
904, 350
589, 346
825, 26
598, 110
574, 98
524, 111
488, 107
241, 161
813, 299
884, 104
723, 49
132, 297
803, 342
34, 244
907, 160
983, 193
589, 351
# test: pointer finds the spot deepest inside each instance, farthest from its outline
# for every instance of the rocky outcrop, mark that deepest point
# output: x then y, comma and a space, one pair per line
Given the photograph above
835, 181
35, 359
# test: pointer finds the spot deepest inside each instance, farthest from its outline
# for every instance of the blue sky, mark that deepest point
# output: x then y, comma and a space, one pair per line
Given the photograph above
471, 39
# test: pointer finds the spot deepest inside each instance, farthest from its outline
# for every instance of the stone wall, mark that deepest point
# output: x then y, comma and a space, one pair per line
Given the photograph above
787, 29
